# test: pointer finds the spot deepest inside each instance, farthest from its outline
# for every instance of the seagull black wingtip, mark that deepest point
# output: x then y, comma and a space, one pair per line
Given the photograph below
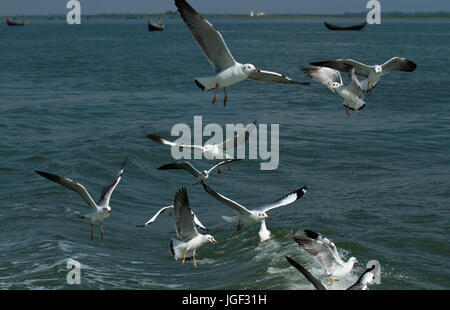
154, 138
311, 234
301, 191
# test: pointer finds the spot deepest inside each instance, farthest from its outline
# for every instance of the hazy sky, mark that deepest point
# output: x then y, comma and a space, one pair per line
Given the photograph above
11, 7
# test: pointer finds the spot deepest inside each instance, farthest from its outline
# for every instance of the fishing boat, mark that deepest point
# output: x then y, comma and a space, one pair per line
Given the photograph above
156, 26
10, 22
338, 27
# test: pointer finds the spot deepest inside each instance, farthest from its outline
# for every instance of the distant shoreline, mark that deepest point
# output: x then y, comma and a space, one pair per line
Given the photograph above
174, 14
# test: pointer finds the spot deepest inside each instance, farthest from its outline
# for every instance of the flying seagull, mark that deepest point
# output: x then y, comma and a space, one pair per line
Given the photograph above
352, 94
100, 210
162, 210
257, 215
200, 175
191, 239
372, 73
213, 151
362, 283
326, 253
227, 70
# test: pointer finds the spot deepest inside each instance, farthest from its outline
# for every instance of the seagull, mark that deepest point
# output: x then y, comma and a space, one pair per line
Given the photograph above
366, 278
257, 215
352, 93
227, 70
162, 210
213, 151
100, 210
191, 239
201, 176
372, 73
326, 253
362, 283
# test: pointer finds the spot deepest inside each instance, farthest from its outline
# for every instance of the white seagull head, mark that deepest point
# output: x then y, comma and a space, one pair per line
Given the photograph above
106, 209
208, 148
249, 68
353, 260
378, 69
211, 239
263, 216
333, 86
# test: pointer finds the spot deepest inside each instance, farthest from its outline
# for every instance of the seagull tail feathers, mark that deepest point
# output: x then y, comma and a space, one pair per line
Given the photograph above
176, 251
205, 84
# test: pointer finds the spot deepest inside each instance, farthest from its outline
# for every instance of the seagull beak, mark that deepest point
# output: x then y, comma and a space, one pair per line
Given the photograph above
257, 70
356, 262
268, 218
214, 242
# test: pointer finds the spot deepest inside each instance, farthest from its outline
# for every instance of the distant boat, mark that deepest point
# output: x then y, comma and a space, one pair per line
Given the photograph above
10, 22
338, 27
156, 26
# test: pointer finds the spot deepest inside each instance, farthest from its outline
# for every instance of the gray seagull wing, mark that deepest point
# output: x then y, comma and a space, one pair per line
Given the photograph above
184, 219
162, 210
398, 64
207, 36
355, 86
226, 201
160, 140
285, 200
68, 183
308, 275
107, 191
323, 75
345, 65
313, 235
184, 165
319, 250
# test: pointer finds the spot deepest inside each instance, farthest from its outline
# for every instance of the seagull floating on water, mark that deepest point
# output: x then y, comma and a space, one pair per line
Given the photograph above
257, 215
213, 151
361, 284
191, 239
353, 94
372, 73
326, 253
200, 175
100, 210
162, 210
227, 70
